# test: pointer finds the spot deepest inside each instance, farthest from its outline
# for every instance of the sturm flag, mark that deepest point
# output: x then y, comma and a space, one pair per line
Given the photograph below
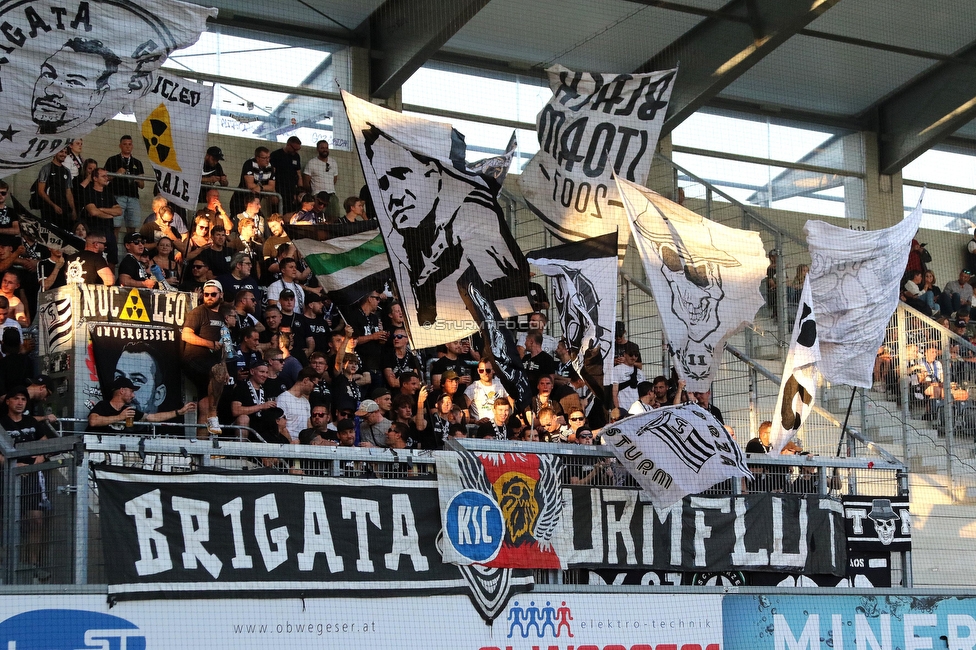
350, 264
798, 390
500, 510
174, 119
595, 125
675, 451
437, 219
854, 280
49, 235
705, 278
584, 288
71, 68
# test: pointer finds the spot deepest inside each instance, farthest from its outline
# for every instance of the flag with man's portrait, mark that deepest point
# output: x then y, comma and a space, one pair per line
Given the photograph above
437, 218
76, 66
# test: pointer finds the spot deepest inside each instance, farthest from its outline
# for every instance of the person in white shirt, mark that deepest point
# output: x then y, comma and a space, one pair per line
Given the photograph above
645, 400
625, 378
294, 402
484, 392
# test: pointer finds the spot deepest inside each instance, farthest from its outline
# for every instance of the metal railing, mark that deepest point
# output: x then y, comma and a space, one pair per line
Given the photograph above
204, 186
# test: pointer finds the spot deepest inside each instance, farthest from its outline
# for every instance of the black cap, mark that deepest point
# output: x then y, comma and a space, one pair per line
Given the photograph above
18, 390
620, 328
345, 425
311, 297
308, 436
379, 392
123, 382
215, 153
257, 364
273, 413
134, 238
286, 293
41, 380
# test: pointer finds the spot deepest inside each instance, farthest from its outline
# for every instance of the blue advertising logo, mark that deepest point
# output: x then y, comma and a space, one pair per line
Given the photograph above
69, 629
475, 526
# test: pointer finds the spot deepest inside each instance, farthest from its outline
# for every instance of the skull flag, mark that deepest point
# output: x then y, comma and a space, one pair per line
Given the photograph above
798, 390
705, 278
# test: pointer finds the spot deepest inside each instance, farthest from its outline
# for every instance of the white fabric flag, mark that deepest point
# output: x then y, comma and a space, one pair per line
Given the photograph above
675, 451
595, 125
175, 119
705, 278
67, 69
854, 280
798, 390
437, 219
584, 283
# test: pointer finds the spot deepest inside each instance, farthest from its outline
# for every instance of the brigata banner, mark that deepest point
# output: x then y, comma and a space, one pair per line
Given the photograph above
216, 535
848, 622
559, 620
753, 532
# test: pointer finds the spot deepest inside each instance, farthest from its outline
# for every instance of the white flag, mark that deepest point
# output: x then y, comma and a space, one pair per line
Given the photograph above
438, 219
595, 125
70, 68
798, 390
675, 451
705, 278
854, 281
175, 119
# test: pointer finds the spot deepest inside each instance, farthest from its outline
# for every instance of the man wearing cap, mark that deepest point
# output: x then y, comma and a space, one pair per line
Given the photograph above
450, 385
138, 364
622, 345
294, 402
373, 426
201, 341
962, 291
213, 173
109, 416
248, 401
131, 271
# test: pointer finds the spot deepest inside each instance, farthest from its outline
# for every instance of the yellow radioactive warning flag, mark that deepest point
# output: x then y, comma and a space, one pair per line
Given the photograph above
157, 134
134, 308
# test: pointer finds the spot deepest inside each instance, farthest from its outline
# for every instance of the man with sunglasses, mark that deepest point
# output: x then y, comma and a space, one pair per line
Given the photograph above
9, 214
201, 343
89, 266
369, 333
131, 271
198, 276
484, 392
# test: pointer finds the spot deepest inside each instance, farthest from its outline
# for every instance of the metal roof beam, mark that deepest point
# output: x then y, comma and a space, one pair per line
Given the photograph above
720, 49
926, 111
403, 34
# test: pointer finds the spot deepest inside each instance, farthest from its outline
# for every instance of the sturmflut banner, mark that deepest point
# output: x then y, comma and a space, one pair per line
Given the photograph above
68, 67
595, 125
214, 535
174, 118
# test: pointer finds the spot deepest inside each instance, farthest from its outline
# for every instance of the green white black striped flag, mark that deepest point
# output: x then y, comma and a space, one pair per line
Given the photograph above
351, 263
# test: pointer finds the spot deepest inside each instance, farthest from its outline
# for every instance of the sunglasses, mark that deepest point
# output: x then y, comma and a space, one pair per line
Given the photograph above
3, 192
318, 415
485, 371
211, 294
198, 266
399, 336
585, 436
576, 419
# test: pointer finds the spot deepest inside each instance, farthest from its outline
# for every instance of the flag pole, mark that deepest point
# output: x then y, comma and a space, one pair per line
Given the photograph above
843, 429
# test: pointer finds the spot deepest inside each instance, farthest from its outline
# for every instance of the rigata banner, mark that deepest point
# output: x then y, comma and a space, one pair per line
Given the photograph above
262, 533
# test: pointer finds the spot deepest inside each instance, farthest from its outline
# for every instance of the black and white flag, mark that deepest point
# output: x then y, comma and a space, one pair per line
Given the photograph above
705, 278
675, 451
175, 118
437, 219
855, 282
595, 125
798, 390
72, 67
584, 288
49, 235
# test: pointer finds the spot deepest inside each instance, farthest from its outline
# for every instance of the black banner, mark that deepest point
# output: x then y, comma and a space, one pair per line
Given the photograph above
756, 532
878, 524
216, 534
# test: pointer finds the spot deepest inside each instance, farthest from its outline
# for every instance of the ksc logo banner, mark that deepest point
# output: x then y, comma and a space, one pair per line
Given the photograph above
69, 629
500, 510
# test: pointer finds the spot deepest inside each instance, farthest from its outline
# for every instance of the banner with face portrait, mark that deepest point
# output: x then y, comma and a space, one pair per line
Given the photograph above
437, 219
70, 67
174, 119
596, 125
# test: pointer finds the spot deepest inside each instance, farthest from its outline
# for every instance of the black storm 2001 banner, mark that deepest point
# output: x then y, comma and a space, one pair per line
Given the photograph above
206, 534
